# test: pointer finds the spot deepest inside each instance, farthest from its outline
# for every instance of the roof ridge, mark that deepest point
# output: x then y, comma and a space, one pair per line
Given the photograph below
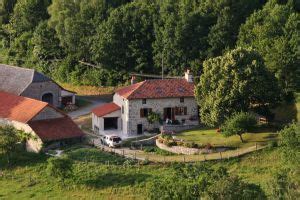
140, 84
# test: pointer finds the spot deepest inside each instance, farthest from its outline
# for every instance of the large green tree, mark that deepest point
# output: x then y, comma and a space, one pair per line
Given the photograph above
232, 83
274, 33
124, 41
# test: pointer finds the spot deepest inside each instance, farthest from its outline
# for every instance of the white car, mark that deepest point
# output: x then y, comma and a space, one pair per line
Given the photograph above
111, 140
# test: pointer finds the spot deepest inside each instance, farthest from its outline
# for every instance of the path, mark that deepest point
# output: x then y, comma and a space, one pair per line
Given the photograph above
141, 155
95, 101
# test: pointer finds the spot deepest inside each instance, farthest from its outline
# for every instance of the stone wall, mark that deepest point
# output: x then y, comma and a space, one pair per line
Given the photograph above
157, 106
37, 90
48, 113
32, 145
178, 149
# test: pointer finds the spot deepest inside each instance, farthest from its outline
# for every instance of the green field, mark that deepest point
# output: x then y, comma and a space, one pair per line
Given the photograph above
204, 136
96, 178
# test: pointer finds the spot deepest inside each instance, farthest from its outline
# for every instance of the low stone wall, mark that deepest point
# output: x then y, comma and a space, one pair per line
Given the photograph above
178, 128
178, 149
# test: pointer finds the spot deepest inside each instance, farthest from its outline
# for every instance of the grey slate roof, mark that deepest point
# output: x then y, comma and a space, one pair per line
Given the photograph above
16, 79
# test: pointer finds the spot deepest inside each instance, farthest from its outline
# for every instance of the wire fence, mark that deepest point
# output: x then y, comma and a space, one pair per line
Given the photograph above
152, 157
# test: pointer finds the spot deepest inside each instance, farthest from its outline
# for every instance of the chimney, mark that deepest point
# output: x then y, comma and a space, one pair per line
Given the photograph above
188, 76
133, 80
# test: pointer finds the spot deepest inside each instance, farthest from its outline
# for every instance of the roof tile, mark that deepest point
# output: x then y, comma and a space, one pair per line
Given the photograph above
56, 129
19, 108
158, 89
105, 109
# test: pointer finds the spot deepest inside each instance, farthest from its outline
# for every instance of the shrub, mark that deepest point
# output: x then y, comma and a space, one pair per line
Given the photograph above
273, 144
239, 124
60, 167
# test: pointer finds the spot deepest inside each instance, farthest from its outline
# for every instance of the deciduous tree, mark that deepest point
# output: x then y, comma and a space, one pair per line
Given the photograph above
233, 83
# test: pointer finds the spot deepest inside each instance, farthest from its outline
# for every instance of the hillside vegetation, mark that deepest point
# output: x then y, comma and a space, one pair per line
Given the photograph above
101, 175
117, 37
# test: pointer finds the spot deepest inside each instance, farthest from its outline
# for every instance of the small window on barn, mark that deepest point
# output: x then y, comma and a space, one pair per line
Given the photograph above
181, 100
144, 101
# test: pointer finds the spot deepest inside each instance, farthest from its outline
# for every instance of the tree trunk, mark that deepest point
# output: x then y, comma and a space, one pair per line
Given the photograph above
241, 138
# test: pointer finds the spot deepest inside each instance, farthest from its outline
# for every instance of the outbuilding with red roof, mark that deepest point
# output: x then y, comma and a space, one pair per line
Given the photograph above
42, 120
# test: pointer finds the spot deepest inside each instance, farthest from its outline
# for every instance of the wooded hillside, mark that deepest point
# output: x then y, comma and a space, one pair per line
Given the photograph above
122, 36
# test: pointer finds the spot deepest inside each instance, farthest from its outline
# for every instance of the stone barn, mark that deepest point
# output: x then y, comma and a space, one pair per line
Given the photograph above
30, 83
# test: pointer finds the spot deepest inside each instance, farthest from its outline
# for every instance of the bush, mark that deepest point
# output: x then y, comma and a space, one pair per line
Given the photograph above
273, 144
239, 124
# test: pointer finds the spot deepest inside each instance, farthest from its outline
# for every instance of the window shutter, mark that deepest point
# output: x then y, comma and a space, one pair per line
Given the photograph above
185, 110
142, 112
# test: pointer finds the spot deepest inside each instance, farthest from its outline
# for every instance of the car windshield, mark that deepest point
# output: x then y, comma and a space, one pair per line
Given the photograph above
116, 139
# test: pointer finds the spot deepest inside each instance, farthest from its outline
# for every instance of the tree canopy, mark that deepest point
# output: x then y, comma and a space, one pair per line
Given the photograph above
232, 83
273, 32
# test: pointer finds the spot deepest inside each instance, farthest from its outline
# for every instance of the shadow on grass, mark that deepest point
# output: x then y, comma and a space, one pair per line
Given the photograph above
94, 155
21, 159
116, 180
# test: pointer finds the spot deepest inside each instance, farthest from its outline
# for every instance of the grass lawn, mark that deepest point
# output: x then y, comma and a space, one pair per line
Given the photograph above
205, 136
94, 178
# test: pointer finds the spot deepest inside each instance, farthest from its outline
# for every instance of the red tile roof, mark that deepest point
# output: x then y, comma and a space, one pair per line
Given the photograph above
105, 109
56, 129
158, 89
19, 108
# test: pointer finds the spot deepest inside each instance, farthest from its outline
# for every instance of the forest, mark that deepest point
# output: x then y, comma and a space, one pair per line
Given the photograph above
117, 37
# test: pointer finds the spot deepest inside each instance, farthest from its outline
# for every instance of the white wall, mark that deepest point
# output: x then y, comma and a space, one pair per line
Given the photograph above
99, 121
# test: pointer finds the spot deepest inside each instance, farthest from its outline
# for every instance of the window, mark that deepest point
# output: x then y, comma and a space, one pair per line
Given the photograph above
122, 109
180, 110
144, 101
181, 100
144, 112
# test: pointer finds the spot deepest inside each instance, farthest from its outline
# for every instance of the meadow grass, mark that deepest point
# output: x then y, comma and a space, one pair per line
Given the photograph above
96, 178
211, 136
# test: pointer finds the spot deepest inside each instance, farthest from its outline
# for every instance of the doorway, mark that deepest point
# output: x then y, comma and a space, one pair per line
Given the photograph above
111, 123
48, 98
140, 129
169, 113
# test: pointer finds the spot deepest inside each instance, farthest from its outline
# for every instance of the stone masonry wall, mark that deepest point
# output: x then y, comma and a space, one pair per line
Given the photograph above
37, 90
32, 145
48, 113
158, 106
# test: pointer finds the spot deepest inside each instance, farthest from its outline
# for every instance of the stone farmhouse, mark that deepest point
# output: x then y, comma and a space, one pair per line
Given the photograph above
30, 83
48, 125
126, 116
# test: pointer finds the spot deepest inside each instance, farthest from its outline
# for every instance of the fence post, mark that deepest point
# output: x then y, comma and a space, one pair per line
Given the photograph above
141, 146
135, 155
221, 155
184, 159
256, 146
123, 153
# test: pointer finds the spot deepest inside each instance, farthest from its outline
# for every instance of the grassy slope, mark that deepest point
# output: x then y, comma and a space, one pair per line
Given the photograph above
95, 179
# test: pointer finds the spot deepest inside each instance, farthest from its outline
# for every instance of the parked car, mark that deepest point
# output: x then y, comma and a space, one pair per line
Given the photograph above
111, 140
